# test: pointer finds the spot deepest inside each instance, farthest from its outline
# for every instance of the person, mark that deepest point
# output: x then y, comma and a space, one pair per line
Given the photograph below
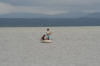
43, 37
48, 33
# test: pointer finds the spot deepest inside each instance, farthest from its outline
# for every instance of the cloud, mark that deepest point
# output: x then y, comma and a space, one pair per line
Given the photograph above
49, 7
6, 8
51, 2
91, 11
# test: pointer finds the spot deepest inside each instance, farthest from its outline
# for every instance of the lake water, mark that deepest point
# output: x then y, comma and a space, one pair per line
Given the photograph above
22, 22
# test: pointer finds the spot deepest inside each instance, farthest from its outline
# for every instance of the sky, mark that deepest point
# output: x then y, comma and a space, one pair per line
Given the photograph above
49, 7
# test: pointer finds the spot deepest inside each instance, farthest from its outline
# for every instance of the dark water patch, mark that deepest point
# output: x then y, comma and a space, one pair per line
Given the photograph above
22, 22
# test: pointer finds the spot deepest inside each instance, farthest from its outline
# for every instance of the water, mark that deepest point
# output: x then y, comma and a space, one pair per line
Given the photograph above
22, 22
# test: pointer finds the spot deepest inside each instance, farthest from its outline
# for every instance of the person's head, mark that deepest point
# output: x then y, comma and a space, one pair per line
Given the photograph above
44, 35
48, 29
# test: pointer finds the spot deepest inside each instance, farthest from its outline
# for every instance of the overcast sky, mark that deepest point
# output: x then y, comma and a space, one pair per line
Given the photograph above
50, 7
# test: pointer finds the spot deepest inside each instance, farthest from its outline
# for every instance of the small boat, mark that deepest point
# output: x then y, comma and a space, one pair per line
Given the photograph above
47, 41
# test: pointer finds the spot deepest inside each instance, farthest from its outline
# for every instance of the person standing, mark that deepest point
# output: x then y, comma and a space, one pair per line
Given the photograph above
48, 33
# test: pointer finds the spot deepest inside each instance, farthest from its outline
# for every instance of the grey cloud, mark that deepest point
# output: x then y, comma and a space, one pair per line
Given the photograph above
8, 8
64, 5
52, 2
